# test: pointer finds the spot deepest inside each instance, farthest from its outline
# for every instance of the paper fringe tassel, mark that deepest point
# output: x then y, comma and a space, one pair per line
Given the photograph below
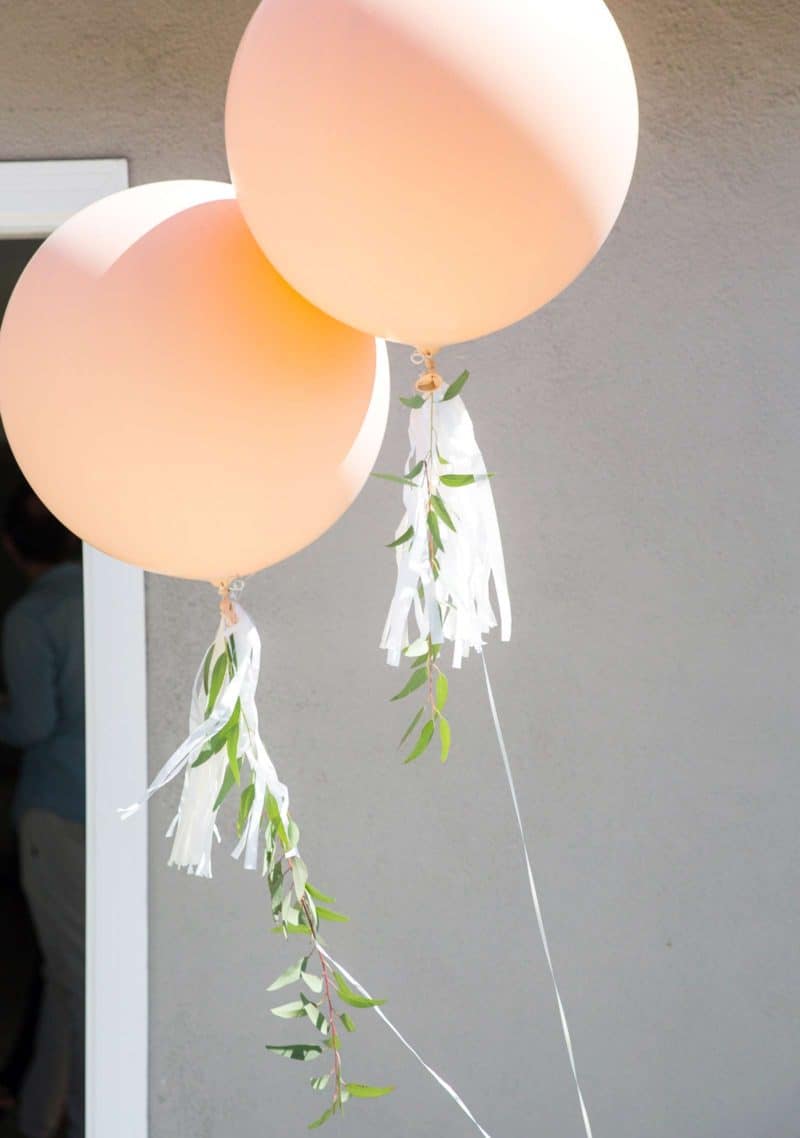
457, 606
194, 828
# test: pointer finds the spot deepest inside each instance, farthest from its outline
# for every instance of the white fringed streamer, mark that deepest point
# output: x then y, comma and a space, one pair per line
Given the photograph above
458, 605
193, 829
454, 1095
535, 896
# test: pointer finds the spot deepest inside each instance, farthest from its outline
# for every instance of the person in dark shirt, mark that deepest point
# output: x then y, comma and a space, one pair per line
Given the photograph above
43, 715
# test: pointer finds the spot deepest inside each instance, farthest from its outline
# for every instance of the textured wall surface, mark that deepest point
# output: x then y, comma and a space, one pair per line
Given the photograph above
645, 431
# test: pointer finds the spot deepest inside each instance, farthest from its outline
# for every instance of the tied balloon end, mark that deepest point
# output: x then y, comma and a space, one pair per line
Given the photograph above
229, 591
429, 380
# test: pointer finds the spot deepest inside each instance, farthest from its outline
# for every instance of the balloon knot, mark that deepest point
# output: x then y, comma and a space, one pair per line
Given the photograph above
228, 592
429, 380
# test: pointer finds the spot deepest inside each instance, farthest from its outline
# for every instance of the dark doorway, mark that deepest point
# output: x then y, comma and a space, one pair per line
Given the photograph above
19, 958
21, 964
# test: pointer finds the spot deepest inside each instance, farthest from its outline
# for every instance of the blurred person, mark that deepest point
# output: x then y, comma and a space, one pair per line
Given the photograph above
43, 715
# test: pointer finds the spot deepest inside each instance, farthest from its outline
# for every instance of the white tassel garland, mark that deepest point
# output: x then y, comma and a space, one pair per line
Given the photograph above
456, 605
223, 735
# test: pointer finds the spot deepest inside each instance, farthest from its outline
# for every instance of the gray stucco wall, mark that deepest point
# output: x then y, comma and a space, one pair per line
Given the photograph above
645, 432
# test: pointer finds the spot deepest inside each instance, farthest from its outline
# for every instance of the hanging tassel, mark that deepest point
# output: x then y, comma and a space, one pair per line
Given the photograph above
448, 541
222, 747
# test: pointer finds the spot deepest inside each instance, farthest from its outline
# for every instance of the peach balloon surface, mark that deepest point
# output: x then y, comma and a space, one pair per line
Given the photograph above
172, 399
431, 172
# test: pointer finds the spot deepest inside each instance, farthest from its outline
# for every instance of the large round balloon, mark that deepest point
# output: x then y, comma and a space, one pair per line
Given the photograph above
172, 399
431, 172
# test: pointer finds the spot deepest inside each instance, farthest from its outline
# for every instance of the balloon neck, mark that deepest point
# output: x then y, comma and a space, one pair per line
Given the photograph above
228, 591
429, 380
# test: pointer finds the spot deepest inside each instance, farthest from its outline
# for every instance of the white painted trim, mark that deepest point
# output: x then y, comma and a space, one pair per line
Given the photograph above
116, 851
35, 197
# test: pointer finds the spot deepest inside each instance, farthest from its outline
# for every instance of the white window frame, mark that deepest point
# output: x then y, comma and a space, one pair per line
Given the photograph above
35, 197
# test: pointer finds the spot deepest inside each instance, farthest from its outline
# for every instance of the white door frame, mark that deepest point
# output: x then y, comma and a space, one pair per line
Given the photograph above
35, 197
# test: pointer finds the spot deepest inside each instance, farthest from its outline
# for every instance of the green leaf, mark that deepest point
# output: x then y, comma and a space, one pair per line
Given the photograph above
417, 647
433, 526
214, 744
441, 691
292, 973
207, 667
218, 741
361, 1090
274, 815
317, 1018
441, 510
217, 679
354, 999
290, 927
455, 387
314, 982
289, 913
318, 895
425, 736
394, 478
416, 681
225, 789
402, 539
347, 1023
457, 479
412, 401
411, 726
299, 876
330, 915
230, 648
294, 1010
420, 660
442, 459
320, 1082
416, 469
232, 743
323, 1118
276, 884
309, 909
292, 833
444, 738
245, 806
303, 1052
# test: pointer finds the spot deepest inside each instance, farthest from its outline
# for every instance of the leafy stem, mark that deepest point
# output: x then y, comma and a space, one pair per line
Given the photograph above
326, 981
423, 653
296, 906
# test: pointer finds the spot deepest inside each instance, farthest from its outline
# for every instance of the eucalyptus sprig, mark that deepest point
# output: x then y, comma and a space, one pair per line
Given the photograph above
297, 908
426, 672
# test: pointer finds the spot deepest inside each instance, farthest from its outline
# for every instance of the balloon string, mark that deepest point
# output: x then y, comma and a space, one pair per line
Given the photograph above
454, 1095
535, 896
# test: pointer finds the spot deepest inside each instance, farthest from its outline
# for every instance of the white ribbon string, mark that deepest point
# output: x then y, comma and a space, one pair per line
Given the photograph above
535, 896
378, 1012
540, 921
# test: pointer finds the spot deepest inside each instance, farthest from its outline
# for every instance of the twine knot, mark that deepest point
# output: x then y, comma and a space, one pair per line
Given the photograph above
228, 593
429, 380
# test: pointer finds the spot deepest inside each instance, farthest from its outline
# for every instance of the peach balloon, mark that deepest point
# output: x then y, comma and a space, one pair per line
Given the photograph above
172, 399
431, 172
